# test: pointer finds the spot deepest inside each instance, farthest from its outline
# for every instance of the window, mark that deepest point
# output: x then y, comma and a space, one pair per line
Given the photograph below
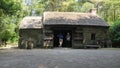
81, 35
93, 36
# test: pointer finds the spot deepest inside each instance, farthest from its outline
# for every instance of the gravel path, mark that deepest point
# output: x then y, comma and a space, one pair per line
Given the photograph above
59, 58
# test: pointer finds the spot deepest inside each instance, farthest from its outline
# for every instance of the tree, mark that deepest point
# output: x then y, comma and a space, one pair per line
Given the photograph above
7, 30
108, 9
86, 7
115, 34
9, 10
10, 7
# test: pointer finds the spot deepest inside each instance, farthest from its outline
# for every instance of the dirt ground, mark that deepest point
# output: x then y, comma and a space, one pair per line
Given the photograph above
59, 58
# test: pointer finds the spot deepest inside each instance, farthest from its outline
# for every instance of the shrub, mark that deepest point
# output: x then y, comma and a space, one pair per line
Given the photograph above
115, 34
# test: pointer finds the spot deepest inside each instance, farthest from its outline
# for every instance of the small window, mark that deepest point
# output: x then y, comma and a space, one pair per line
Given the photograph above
81, 35
93, 36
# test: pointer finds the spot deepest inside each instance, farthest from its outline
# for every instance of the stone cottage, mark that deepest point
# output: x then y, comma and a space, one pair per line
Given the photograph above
84, 29
30, 28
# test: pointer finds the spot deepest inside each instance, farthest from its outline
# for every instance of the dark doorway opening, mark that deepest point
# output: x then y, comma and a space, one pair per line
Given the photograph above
65, 42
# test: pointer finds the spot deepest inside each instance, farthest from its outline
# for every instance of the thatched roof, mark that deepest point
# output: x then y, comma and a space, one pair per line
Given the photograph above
31, 22
73, 18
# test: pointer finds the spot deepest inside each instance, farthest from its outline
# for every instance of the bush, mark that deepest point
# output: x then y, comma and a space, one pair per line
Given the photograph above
115, 34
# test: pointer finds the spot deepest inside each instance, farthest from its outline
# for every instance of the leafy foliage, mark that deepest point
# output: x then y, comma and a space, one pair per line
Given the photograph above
9, 10
9, 6
107, 9
115, 34
7, 29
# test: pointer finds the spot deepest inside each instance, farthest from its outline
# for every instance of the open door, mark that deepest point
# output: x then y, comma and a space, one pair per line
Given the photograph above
65, 42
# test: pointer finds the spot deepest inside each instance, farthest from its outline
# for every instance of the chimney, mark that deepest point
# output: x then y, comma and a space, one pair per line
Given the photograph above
93, 11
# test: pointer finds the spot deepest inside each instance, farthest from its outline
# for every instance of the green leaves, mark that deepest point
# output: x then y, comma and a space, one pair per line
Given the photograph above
7, 28
9, 6
10, 13
115, 33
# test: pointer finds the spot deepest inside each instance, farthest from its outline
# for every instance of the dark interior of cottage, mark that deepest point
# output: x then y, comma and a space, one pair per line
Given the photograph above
65, 42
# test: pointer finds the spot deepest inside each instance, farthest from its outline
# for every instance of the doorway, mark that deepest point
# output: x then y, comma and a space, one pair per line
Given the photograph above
65, 42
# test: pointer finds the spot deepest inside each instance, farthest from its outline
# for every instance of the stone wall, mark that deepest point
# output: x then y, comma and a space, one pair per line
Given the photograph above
35, 34
82, 35
100, 34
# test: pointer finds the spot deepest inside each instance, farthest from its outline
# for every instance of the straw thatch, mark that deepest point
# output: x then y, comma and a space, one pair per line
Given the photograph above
73, 18
31, 22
